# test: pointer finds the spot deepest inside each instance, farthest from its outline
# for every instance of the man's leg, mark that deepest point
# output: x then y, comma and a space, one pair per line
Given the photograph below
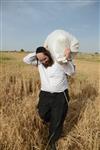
58, 114
44, 107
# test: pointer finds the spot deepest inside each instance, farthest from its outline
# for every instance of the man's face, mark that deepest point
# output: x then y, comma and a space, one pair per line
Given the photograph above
43, 59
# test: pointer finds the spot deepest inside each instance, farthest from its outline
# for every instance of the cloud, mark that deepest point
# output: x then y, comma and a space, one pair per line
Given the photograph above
80, 3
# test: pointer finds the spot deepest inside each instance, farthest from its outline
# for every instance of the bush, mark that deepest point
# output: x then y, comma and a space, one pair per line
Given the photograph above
22, 50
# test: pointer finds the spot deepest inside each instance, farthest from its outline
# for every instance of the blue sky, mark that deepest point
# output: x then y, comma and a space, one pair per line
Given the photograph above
26, 23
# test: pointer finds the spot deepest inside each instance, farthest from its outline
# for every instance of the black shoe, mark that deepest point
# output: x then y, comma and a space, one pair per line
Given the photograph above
52, 146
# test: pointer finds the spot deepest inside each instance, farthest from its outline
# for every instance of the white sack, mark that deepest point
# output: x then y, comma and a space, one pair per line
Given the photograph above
57, 41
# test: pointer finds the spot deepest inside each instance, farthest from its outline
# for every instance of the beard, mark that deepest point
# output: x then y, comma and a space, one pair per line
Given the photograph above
47, 64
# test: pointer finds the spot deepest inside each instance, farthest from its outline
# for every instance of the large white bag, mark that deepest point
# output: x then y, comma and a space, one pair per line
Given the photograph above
57, 41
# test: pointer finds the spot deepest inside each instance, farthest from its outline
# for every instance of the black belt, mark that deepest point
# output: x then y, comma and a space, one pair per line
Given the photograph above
53, 93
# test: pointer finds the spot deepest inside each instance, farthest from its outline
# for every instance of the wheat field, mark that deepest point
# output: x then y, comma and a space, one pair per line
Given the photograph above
20, 125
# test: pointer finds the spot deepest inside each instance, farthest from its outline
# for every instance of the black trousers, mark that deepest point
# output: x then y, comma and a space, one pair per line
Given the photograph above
53, 107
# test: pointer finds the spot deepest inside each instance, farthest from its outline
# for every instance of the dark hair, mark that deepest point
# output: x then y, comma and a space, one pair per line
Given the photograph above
40, 50
43, 50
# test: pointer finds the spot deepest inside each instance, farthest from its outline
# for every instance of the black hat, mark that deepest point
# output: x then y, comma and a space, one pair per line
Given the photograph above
40, 49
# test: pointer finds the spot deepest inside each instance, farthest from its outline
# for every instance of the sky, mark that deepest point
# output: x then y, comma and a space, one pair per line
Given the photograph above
25, 24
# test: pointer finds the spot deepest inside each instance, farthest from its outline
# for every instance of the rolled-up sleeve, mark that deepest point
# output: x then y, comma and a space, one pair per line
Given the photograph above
30, 59
69, 68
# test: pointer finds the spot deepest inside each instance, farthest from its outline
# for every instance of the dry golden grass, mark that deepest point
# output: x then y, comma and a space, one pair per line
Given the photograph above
20, 126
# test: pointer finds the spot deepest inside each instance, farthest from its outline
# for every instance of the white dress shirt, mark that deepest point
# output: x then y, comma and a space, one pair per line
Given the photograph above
53, 78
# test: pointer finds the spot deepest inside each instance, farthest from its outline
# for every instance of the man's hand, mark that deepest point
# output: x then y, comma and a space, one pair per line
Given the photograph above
67, 53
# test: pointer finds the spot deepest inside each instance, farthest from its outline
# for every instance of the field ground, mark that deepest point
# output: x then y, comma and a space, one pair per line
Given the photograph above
22, 129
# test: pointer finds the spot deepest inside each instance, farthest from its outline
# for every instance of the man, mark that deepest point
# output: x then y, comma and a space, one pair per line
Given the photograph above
53, 97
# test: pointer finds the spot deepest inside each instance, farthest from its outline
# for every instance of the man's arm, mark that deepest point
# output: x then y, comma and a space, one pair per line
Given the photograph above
67, 53
30, 59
